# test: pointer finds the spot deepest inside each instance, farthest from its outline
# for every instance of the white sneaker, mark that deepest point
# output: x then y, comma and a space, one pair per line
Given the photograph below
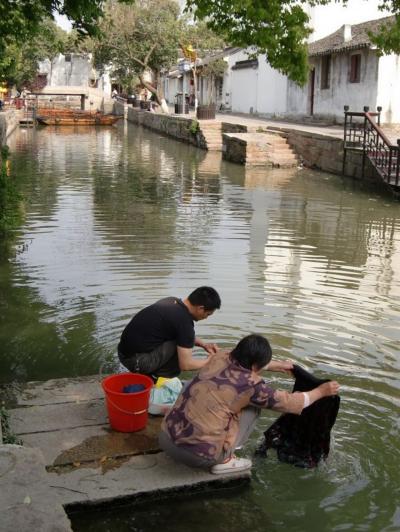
233, 465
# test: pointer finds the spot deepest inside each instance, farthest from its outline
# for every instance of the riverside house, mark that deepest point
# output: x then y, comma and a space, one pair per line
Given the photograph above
347, 70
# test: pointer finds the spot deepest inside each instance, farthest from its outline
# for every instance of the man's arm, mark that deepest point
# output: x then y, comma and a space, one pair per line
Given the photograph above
210, 348
186, 360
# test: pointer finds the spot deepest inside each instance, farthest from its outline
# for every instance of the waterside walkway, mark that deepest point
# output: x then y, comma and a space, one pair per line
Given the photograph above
70, 458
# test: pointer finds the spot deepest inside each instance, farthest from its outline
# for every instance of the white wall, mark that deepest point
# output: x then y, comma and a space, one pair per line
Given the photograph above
327, 19
389, 88
271, 89
341, 92
297, 99
259, 90
74, 73
330, 102
244, 90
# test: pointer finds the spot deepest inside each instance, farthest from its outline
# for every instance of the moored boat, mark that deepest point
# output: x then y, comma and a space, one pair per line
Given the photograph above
44, 112
76, 120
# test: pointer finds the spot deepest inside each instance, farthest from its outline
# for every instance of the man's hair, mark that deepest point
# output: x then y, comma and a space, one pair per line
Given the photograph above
252, 350
206, 297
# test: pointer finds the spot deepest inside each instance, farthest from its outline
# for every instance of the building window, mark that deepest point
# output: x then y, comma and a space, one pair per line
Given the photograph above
220, 83
355, 68
326, 72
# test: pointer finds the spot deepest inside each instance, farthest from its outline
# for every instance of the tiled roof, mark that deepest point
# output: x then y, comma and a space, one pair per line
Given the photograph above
230, 50
335, 42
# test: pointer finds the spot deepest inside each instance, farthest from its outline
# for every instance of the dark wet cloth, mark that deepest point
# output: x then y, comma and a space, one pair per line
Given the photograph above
133, 388
303, 440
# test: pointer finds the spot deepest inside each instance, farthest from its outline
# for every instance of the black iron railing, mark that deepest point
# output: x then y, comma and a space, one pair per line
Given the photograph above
362, 132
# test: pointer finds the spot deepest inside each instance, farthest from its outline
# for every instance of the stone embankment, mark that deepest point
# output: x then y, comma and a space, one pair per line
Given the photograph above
71, 459
9, 121
259, 149
261, 143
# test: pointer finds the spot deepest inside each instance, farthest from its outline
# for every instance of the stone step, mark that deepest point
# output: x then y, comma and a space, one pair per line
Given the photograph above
86, 461
271, 164
271, 153
28, 502
267, 152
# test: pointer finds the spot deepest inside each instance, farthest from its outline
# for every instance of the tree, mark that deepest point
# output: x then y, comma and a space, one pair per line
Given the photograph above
20, 20
199, 41
279, 29
138, 39
22, 58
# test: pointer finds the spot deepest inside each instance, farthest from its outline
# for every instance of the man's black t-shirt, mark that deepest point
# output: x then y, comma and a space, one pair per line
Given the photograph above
165, 320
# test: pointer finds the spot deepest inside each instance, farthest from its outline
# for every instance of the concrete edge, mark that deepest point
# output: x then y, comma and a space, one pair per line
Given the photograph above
141, 497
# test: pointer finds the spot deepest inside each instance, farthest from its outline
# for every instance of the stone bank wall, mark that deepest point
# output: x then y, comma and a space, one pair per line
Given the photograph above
325, 153
8, 122
318, 151
181, 128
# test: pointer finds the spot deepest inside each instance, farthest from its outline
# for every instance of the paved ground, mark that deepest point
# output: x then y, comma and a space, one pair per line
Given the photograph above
392, 131
27, 503
82, 461
333, 131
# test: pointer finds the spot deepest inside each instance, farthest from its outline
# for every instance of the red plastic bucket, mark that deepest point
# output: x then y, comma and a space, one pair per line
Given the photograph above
127, 412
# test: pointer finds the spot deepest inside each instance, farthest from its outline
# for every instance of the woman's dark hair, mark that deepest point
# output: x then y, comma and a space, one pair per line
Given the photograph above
252, 350
206, 297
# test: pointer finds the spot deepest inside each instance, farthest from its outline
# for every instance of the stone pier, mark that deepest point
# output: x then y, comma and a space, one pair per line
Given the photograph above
70, 451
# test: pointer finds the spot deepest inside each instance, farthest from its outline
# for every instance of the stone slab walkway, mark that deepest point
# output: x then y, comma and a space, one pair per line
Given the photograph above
84, 460
27, 503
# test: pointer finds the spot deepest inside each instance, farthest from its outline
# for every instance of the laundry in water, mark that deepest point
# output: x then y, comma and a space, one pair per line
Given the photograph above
303, 440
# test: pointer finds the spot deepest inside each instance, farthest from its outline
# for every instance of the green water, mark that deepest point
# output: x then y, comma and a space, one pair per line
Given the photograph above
116, 218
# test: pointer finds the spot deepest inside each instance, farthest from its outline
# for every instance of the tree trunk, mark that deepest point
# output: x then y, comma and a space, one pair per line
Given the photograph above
196, 101
158, 94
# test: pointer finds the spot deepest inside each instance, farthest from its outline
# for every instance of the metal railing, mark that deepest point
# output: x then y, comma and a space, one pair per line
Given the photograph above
362, 132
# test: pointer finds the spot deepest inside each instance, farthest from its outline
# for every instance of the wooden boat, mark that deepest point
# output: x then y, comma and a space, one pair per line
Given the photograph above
44, 112
79, 120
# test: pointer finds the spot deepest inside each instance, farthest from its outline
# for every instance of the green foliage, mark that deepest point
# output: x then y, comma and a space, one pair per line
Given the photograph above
10, 213
194, 127
8, 436
202, 39
214, 68
23, 20
279, 29
139, 38
388, 37
21, 58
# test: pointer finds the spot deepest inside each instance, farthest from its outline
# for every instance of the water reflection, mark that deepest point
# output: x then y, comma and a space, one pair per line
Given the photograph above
116, 219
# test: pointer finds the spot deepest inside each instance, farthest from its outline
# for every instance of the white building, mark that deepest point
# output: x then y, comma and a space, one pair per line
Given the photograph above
346, 70
357, 76
73, 73
252, 86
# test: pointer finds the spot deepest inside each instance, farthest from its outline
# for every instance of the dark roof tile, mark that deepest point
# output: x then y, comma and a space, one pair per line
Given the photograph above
335, 43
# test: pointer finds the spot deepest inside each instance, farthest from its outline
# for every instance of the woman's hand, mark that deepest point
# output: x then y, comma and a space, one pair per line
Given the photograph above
329, 388
284, 366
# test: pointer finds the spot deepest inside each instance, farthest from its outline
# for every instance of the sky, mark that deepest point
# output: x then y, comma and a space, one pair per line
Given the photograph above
63, 22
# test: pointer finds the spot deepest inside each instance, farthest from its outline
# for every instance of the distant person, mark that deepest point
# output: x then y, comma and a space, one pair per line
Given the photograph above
217, 411
114, 93
1, 104
158, 341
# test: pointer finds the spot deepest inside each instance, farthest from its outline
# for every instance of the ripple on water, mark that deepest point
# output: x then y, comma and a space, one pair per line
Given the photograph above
304, 258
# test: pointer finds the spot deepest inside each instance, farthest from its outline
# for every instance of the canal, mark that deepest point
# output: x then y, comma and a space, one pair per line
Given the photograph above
116, 218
